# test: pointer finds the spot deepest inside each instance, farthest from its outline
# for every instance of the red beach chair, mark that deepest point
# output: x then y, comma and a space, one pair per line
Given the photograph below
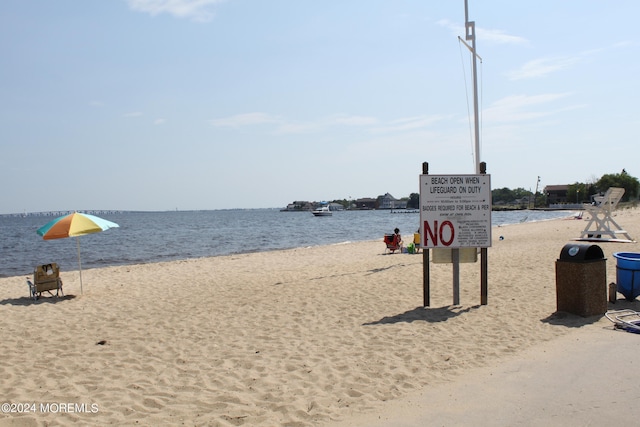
392, 243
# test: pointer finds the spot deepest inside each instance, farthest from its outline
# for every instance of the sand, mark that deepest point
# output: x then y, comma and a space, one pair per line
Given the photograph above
319, 336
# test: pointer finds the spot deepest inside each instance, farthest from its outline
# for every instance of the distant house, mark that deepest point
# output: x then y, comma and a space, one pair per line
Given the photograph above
556, 194
298, 205
389, 202
366, 203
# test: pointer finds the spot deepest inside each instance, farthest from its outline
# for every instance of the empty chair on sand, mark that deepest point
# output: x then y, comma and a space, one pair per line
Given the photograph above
626, 319
46, 278
601, 226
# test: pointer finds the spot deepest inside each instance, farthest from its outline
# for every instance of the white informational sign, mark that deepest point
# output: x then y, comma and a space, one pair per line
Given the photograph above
455, 211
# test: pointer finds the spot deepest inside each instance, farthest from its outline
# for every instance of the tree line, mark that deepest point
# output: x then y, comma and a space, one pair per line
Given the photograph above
578, 192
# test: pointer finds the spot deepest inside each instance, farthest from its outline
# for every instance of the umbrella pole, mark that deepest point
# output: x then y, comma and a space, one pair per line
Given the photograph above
79, 263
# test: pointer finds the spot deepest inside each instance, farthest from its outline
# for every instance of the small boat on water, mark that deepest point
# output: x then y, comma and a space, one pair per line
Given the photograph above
323, 211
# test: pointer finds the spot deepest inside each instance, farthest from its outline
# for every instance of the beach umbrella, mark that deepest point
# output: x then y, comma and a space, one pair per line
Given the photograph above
74, 225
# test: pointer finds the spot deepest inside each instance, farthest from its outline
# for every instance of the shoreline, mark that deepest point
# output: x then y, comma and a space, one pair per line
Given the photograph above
255, 251
306, 336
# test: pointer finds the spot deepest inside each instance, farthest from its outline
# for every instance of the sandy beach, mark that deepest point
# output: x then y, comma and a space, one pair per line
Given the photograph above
318, 336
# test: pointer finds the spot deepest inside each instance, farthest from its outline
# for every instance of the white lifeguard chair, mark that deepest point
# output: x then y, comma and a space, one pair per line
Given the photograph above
602, 227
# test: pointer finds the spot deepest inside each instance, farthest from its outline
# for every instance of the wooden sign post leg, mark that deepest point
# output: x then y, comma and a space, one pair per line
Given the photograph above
425, 255
484, 262
455, 259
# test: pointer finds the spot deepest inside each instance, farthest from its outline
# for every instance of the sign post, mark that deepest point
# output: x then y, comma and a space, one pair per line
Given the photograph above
455, 212
425, 257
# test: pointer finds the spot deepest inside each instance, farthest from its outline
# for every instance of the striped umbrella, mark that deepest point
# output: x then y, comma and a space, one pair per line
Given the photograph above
74, 225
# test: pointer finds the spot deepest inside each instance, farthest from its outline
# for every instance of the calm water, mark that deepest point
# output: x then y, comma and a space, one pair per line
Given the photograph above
161, 236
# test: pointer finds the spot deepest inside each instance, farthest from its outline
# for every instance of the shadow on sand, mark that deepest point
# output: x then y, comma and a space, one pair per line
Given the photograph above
560, 318
425, 314
30, 301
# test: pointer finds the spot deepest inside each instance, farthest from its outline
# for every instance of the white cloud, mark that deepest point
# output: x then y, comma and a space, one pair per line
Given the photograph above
521, 107
498, 36
133, 114
410, 123
542, 67
281, 125
624, 43
356, 120
198, 10
247, 119
159, 121
288, 128
319, 125
483, 34
285, 126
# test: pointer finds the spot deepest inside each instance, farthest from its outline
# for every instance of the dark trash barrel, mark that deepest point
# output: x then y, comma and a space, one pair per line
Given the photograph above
581, 280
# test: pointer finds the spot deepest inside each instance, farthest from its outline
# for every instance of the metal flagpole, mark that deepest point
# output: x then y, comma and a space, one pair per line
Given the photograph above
470, 30
471, 36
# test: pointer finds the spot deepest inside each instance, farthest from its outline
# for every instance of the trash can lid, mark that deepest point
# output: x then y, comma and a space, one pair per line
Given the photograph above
575, 252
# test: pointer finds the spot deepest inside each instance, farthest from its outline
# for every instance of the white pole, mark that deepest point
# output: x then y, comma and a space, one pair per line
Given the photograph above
470, 27
79, 263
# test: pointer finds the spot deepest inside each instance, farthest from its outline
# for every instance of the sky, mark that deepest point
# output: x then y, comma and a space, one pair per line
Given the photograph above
160, 105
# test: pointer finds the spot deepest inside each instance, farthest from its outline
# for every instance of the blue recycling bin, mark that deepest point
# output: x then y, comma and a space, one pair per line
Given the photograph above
628, 274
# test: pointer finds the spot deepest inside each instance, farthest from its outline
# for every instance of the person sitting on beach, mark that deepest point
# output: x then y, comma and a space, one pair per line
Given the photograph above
397, 238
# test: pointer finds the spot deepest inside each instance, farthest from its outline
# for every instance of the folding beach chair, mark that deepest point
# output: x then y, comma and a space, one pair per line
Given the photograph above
626, 319
46, 278
392, 243
601, 226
